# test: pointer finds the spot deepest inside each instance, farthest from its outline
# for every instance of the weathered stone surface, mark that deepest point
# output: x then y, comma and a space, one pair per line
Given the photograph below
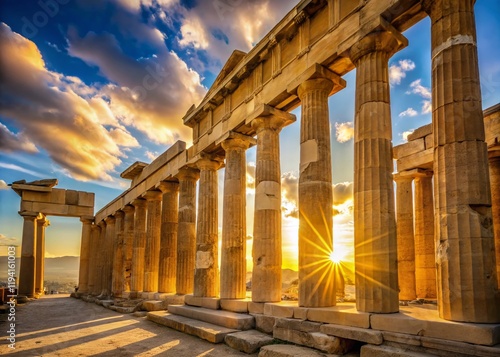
353, 333
340, 315
409, 148
320, 341
264, 323
235, 305
217, 317
255, 307
288, 351
140, 314
420, 132
248, 341
153, 305
153, 238
137, 266
206, 302
402, 338
299, 325
281, 309
209, 332
385, 351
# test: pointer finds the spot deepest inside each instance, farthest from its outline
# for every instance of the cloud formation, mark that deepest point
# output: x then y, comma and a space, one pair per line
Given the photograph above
47, 109
3, 185
416, 87
10, 142
397, 72
344, 131
410, 112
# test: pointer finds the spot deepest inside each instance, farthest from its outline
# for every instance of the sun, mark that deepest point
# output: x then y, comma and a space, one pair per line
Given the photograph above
337, 256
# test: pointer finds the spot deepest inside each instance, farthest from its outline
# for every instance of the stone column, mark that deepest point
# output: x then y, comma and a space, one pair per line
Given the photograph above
206, 275
425, 249
266, 250
128, 247
467, 282
42, 223
152, 252
27, 271
168, 241
234, 236
94, 275
101, 257
107, 267
316, 271
117, 272
137, 277
186, 235
495, 204
405, 236
375, 236
85, 250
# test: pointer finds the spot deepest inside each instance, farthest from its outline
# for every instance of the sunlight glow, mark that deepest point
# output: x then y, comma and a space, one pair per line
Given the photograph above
337, 256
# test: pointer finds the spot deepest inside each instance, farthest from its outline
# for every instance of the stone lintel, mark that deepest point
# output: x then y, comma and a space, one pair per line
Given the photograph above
235, 135
19, 188
134, 170
494, 151
314, 72
411, 174
34, 215
421, 132
87, 219
422, 159
265, 110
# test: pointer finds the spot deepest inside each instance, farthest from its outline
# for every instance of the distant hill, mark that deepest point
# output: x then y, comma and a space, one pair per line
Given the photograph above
61, 269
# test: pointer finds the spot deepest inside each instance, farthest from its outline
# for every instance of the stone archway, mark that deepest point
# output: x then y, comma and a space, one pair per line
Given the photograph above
40, 199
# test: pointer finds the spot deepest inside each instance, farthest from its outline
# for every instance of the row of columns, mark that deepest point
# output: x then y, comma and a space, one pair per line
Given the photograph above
462, 202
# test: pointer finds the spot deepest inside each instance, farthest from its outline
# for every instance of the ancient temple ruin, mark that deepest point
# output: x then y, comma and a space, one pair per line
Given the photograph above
158, 241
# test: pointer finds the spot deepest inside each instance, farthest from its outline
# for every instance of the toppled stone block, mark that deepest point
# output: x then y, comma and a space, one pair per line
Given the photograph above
248, 341
320, 341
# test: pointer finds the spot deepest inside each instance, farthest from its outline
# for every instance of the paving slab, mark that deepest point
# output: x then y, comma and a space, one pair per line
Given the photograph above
217, 317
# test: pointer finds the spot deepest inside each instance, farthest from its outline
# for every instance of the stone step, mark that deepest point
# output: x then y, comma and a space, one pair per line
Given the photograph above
217, 317
296, 351
248, 341
386, 351
204, 330
154, 305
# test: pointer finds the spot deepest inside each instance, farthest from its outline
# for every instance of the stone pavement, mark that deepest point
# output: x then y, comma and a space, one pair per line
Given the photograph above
57, 325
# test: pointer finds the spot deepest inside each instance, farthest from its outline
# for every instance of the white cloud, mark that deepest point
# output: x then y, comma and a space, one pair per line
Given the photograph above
151, 155
427, 107
406, 133
193, 33
397, 72
344, 131
416, 87
3, 185
410, 112
20, 169
8, 241
10, 142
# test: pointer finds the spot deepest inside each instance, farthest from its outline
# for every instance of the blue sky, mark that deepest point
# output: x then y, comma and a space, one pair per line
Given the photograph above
89, 87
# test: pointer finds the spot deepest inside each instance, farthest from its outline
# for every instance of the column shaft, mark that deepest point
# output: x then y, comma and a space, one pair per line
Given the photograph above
186, 235
102, 256
152, 252
316, 278
85, 247
117, 273
206, 276
128, 246
405, 238
233, 260
137, 277
168, 244
495, 205
375, 236
266, 249
467, 281
94, 260
40, 254
27, 270
107, 267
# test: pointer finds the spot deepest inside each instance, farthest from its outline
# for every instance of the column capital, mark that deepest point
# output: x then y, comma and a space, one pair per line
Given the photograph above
139, 202
436, 9
95, 227
402, 177
119, 214
237, 141
188, 174
87, 219
168, 186
43, 221
153, 195
110, 220
389, 42
29, 215
314, 72
128, 209
267, 117
101, 224
323, 84
208, 163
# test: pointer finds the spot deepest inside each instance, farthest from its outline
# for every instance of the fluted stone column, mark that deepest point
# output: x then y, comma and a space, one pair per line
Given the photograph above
27, 271
233, 259
108, 243
495, 204
467, 281
168, 241
206, 276
266, 250
405, 236
186, 234
425, 248
101, 258
152, 252
85, 250
316, 271
94, 275
137, 277
128, 247
117, 272
375, 236
42, 223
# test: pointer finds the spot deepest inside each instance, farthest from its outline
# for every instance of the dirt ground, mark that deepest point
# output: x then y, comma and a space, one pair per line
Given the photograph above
57, 325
